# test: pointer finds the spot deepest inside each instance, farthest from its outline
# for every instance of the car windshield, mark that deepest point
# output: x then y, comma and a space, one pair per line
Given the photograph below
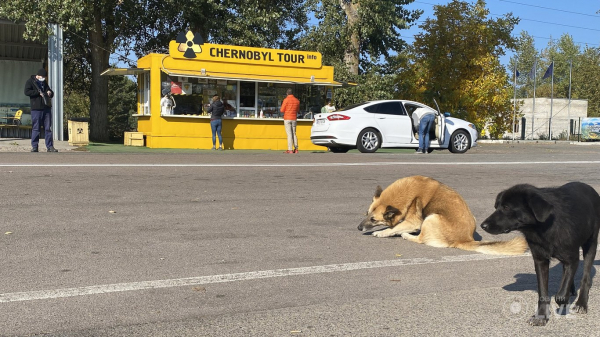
352, 106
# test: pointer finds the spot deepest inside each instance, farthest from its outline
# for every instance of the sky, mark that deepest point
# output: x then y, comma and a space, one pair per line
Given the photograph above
543, 20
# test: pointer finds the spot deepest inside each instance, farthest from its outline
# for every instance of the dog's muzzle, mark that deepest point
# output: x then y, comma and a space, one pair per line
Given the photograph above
494, 229
365, 225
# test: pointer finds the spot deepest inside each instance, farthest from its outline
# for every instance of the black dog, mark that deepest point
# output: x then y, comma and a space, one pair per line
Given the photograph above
555, 223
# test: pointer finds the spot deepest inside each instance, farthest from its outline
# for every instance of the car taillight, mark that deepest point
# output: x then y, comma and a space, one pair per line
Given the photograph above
338, 117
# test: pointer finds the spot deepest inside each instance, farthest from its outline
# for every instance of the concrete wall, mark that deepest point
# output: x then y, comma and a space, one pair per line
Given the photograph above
561, 114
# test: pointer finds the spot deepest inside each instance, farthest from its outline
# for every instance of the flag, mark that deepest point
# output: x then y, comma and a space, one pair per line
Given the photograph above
532, 72
518, 73
549, 71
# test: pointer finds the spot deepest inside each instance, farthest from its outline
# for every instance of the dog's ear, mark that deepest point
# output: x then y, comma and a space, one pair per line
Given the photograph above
498, 197
540, 207
390, 212
378, 191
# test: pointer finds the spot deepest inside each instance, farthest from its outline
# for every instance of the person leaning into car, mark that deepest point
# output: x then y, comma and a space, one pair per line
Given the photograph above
290, 108
423, 120
39, 93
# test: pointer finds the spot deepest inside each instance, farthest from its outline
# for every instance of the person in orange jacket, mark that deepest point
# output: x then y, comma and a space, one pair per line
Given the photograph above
290, 108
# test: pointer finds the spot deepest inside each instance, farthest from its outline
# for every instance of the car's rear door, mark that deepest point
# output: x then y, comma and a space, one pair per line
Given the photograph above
393, 122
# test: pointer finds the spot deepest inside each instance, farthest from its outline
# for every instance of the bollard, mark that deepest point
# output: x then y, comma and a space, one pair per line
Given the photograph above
523, 121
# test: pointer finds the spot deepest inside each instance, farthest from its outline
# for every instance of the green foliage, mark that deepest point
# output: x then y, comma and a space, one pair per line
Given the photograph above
254, 23
76, 105
586, 82
122, 103
561, 52
372, 85
523, 60
456, 60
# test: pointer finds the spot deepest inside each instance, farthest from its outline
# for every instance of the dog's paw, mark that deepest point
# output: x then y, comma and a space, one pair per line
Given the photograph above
579, 308
406, 236
382, 234
537, 320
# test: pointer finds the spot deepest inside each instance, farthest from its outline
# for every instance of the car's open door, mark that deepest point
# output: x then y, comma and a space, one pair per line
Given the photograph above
440, 125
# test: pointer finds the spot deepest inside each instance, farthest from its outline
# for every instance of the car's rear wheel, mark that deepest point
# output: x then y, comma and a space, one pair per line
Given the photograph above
459, 142
336, 149
369, 140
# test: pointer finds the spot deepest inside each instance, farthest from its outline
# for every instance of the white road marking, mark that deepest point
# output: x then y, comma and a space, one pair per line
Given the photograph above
475, 163
193, 281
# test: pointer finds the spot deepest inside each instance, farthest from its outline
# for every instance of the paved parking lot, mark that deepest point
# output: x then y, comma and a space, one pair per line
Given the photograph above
257, 243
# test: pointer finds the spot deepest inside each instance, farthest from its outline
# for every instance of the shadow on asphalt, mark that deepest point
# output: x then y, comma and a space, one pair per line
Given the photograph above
524, 282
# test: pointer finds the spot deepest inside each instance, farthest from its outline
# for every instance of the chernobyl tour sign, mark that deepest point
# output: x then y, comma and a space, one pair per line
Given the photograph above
192, 47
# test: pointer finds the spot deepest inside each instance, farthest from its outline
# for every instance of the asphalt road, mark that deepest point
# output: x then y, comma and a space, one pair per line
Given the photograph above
258, 243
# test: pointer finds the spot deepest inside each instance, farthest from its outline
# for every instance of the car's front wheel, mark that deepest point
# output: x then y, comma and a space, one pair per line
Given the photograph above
459, 142
369, 140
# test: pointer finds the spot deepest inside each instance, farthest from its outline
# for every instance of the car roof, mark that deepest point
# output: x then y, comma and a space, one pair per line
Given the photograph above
398, 100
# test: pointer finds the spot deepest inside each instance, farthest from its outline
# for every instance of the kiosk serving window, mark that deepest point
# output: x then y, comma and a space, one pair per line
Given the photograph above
193, 95
242, 99
271, 96
312, 99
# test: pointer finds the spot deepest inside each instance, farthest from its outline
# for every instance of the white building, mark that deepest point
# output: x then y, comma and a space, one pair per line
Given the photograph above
537, 123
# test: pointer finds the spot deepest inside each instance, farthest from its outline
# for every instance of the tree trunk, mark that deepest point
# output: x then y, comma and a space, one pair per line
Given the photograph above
351, 56
99, 61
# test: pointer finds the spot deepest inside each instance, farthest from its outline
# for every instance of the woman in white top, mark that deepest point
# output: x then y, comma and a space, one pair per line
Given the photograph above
329, 107
167, 103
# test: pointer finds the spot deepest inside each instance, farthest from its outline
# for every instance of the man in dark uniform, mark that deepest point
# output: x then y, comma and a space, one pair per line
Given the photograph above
39, 93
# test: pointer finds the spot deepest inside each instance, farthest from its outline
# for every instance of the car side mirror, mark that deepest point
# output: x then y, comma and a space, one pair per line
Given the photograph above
447, 114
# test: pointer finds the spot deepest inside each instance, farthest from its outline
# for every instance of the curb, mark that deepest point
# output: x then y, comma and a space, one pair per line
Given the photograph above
529, 142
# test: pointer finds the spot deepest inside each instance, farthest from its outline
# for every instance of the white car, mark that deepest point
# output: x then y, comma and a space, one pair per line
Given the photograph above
372, 125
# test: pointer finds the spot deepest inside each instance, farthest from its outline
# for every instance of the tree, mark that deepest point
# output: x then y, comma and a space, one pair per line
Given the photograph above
523, 60
586, 83
359, 38
561, 52
456, 60
361, 34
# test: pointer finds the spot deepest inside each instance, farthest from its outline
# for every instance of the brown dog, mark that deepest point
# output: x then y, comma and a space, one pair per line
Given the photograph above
418, 203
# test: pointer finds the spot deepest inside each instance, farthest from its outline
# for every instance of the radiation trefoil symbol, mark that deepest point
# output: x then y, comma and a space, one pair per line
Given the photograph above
189, 43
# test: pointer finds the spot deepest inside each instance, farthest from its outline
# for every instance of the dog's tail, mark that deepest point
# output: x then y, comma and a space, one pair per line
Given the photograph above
515, 246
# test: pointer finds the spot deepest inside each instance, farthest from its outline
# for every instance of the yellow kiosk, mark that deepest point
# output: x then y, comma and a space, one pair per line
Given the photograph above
252, 83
